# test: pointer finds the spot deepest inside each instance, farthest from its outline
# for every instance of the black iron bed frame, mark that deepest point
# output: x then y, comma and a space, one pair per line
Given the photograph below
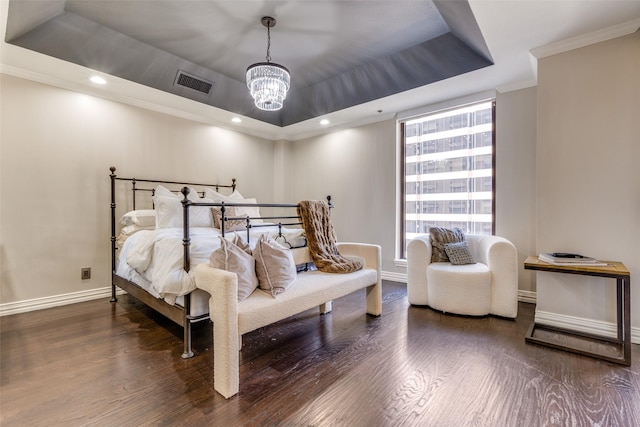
178, 314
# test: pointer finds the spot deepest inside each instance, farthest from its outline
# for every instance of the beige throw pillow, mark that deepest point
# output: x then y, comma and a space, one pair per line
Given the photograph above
441, 236
232, 258
239, 242
275, 266
230, 225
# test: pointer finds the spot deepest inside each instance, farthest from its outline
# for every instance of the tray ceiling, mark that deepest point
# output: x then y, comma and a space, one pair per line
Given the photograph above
340, 53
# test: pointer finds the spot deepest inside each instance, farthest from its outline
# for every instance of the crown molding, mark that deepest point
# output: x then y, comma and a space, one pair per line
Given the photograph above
516, 86
583, 40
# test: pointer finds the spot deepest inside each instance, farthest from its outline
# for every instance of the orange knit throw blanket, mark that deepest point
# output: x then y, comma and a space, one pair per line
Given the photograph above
321, 238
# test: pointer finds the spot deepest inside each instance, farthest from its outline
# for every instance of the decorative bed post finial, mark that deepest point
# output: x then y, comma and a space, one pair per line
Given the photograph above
185, 191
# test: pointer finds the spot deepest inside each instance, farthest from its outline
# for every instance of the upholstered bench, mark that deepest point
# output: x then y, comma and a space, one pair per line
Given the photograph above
231, 318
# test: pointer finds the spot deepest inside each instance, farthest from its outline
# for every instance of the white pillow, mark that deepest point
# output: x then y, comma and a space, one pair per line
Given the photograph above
210, 193
162, 191
193, 195
169, 213
253, 212
200, 216
141, 217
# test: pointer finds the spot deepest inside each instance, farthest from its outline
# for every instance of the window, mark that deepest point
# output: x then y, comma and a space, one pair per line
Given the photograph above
448, 169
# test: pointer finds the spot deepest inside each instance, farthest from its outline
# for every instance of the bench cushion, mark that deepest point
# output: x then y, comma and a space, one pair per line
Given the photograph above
310, 289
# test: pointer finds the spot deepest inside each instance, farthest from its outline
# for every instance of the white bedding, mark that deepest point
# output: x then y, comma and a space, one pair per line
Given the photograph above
153, 259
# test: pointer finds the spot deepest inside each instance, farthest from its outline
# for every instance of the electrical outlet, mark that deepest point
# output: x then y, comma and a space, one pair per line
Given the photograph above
86, 273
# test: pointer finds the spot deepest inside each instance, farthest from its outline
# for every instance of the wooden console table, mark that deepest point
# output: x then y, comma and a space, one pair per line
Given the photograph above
552, 338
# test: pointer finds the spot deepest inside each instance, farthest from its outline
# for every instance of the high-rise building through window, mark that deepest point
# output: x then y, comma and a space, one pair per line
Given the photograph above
449, 171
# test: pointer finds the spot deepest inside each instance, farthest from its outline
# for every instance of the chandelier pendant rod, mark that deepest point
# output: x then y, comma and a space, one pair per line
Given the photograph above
268, 41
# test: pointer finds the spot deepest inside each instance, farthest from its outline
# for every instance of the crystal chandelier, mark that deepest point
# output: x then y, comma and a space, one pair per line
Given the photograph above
268, 82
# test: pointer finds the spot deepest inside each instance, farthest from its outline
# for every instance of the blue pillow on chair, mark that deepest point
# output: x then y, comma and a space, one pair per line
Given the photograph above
459, 253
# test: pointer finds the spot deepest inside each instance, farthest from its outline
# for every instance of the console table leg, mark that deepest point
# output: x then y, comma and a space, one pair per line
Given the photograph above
626, 333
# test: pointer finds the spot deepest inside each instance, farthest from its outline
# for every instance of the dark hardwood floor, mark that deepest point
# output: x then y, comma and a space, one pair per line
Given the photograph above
103, 364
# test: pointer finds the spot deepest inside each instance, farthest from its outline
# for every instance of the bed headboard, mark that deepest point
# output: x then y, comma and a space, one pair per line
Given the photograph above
150, 190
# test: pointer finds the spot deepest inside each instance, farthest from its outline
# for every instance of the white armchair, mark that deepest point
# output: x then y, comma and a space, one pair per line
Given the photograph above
488, 287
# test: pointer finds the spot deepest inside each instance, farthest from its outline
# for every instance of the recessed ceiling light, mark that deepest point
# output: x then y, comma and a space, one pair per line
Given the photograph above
98, 80
324, 122
236, 120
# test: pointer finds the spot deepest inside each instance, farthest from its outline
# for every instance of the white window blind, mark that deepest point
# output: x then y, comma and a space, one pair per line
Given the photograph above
449, 170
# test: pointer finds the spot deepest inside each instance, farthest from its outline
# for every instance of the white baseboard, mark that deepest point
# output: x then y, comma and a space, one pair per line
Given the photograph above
581, 324
56, 300
527, 296
394, 277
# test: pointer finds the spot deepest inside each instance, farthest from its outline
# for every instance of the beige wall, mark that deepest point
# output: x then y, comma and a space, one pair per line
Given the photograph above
516, 175
357, 168
588, 179
56, 150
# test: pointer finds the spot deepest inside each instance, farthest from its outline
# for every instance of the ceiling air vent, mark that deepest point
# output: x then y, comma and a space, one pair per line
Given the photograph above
193, 82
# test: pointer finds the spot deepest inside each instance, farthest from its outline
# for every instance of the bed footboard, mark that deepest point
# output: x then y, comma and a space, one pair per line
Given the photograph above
179, 315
